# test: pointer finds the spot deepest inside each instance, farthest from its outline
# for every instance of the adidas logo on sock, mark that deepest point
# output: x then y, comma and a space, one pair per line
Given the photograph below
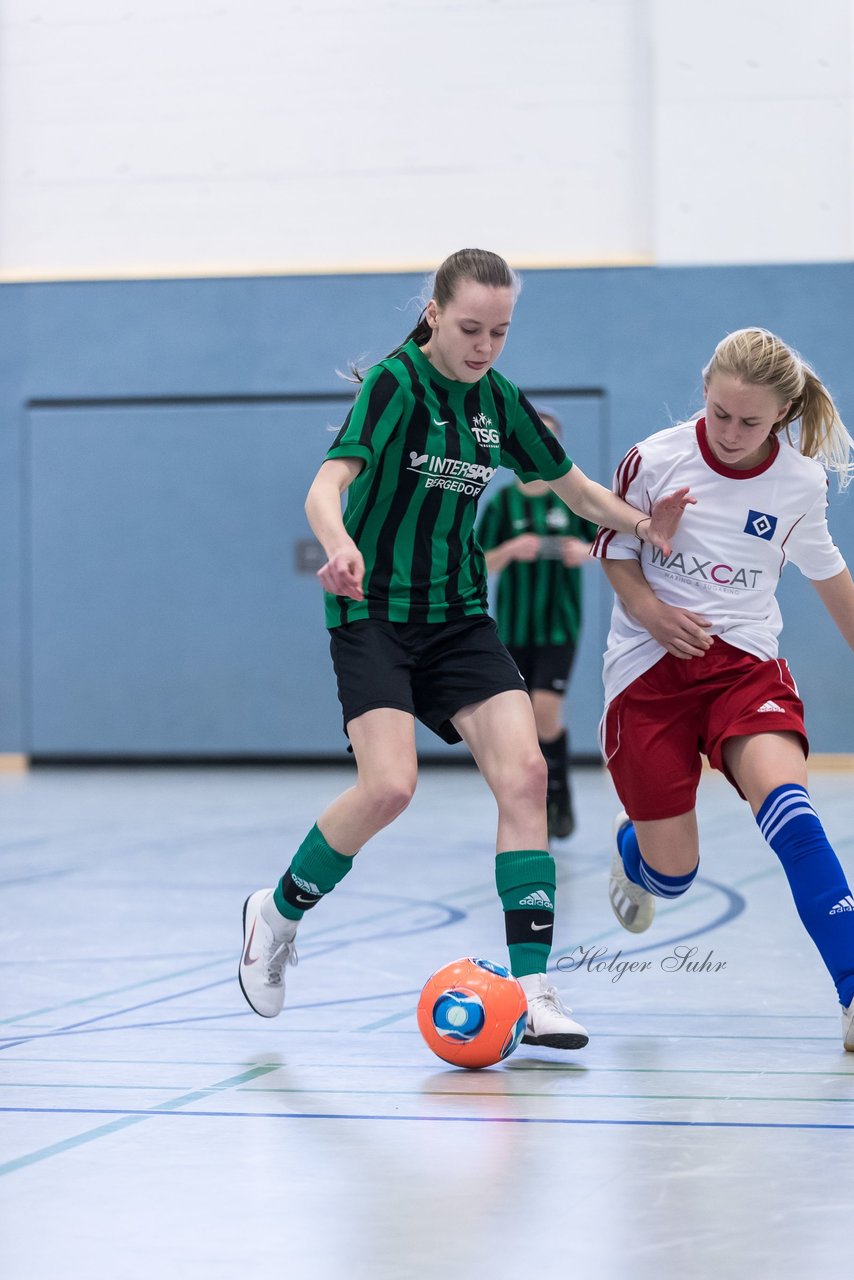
844, 904
306, 885
538, 899
770, 706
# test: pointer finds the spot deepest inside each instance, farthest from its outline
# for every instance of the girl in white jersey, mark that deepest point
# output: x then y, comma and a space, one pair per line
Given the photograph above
692, 653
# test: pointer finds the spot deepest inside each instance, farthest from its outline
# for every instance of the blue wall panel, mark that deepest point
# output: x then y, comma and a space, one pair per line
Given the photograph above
203, 502
166, 613
13, 650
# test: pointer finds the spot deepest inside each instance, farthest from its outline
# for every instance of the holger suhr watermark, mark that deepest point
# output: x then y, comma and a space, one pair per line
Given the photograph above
678, 960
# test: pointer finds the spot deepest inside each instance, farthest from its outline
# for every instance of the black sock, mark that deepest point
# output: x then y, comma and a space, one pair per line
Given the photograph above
556, 755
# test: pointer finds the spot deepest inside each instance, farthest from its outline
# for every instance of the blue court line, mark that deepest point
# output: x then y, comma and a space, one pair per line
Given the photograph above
324, 949
37, 876
166, 1109
148, 957
508, 1094
113, 991
87, 1025
516, 1066
128, 1118
141, 1086
252, 1029
388, 1021
452, 915
736, 906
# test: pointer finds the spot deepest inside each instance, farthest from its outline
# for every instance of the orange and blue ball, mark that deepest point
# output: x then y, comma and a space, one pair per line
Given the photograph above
472, 1013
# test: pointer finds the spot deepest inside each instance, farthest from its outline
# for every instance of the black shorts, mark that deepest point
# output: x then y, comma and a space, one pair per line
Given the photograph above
430, 669
545, 666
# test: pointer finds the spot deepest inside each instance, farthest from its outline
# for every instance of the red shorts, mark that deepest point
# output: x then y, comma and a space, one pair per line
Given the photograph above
654, 732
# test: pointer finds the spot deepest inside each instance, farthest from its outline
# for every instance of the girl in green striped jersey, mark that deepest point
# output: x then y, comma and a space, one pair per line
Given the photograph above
536, 545
407, 612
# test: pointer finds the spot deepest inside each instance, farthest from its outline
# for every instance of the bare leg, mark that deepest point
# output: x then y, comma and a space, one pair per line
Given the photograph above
383, 743
761, 762
670, 845
502, 736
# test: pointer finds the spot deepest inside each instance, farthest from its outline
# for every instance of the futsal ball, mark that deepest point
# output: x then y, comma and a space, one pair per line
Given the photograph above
472, 1013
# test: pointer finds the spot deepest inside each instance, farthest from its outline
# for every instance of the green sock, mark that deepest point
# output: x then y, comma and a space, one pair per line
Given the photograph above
315, 870
525, 879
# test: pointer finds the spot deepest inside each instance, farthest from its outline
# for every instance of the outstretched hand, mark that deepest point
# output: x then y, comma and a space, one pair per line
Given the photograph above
664, 518
343, 574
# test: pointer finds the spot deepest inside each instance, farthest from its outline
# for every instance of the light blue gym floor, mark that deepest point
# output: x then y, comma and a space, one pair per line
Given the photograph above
153, 1127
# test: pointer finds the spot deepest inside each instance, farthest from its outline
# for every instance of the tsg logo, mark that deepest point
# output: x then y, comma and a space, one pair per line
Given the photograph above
483, 430
760, 525
486, 435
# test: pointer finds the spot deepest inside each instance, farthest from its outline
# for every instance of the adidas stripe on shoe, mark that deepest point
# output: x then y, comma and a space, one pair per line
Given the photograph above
632, 905
848, 1028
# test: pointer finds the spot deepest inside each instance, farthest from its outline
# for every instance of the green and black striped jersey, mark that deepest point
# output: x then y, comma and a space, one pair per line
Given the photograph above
430, 445
539, 601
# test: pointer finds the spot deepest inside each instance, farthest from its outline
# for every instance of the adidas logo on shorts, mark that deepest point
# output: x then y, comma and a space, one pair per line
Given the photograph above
770, 706
538, 899
844, 904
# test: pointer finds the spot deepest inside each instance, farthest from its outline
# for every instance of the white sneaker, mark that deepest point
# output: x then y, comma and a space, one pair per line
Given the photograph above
848, 1028
264, 956
632, 905
549, 1023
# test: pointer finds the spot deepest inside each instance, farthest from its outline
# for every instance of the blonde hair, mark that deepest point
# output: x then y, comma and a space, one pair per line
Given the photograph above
764, 360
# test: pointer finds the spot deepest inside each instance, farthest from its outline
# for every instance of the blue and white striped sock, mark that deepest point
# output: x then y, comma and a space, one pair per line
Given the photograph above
823, 899
641, 873
665, 886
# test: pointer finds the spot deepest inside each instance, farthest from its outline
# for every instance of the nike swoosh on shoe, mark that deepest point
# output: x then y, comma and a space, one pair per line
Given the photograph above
247, 959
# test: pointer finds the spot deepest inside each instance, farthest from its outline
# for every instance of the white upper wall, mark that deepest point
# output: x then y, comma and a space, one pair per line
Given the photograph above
753, 130
204, 137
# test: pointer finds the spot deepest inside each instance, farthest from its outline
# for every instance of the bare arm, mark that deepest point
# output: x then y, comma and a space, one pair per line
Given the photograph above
594, 502
575, 552
837, 596
679, 631
525, 547
344, 569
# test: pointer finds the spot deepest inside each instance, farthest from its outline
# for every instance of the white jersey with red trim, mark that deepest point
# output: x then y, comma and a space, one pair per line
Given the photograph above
729, 550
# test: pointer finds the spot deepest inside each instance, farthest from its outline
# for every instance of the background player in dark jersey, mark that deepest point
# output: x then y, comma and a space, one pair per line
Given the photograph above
692, 662
536, 544
410, 633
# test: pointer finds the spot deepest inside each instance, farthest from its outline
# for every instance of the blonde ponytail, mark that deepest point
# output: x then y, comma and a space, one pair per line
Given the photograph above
822, 433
